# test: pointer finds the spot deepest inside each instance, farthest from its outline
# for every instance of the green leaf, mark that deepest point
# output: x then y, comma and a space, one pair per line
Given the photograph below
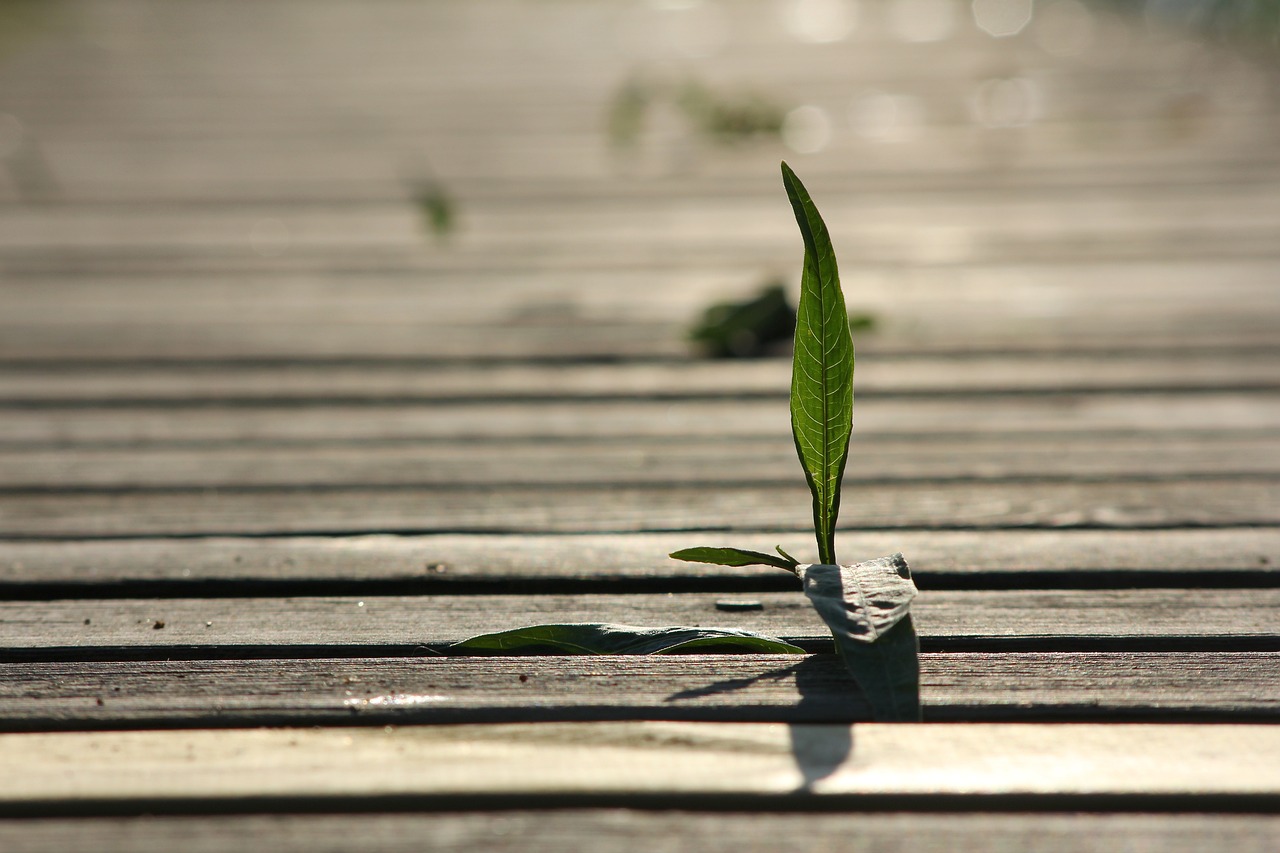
733, 557
822, 370
867, 608
593, 638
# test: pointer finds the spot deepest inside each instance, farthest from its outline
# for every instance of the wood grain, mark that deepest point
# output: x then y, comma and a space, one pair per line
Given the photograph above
878, 458
926, 376
959, 687
406, 621
1072, 416
626, 507
225, 322
573, 763
1240, 217
431, 291
1222, 329
626, 830
320, 307
615, 558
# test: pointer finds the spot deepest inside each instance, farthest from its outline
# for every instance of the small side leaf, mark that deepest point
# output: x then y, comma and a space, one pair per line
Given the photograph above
733, 557
594, 638
867, 608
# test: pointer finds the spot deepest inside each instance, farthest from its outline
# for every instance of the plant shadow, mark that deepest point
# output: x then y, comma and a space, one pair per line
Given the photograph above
829, 695
818, 728
729, 685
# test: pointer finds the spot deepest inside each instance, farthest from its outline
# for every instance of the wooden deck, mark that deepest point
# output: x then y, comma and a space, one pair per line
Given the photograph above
270, 440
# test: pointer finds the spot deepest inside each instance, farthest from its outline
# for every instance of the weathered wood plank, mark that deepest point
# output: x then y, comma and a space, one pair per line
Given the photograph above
430, 560
625, 831
1071, 416
880, 458
142, 385
559, 341
434, 620
637, 508
960, 687
454, 35
1225, 330
330, 305
609, 762
980, 227
154, 312
461, 34
430, 292
99, 165
970, 237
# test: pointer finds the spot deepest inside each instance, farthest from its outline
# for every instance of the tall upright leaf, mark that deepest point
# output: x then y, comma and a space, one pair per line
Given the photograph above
822, 369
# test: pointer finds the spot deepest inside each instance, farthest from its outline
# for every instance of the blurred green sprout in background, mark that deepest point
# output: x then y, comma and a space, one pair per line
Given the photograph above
721, 116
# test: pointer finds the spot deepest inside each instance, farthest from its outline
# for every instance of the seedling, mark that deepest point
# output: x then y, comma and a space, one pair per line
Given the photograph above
865, 605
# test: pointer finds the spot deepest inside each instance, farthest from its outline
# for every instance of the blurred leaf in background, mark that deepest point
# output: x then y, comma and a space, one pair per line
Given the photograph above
438, 207
1248, 21
746, 329
22, 20
721, 116
752, 327
729, 117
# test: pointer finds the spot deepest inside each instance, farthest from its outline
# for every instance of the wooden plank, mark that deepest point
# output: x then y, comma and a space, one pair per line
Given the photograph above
416, 285
429, 289
880, 458
560, 341
407, 83
738, 688
359, 167
1237, 214
626, 507
959, 218
127, 343
460, 33
101, 166
1071, 416
607, 763
408, 621
624, 831
1225, 329
325, 250
430, 561
414, 306
433, 292
143, 385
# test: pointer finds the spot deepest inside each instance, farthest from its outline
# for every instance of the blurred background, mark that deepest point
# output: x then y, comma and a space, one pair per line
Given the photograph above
397, 266
406, 179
